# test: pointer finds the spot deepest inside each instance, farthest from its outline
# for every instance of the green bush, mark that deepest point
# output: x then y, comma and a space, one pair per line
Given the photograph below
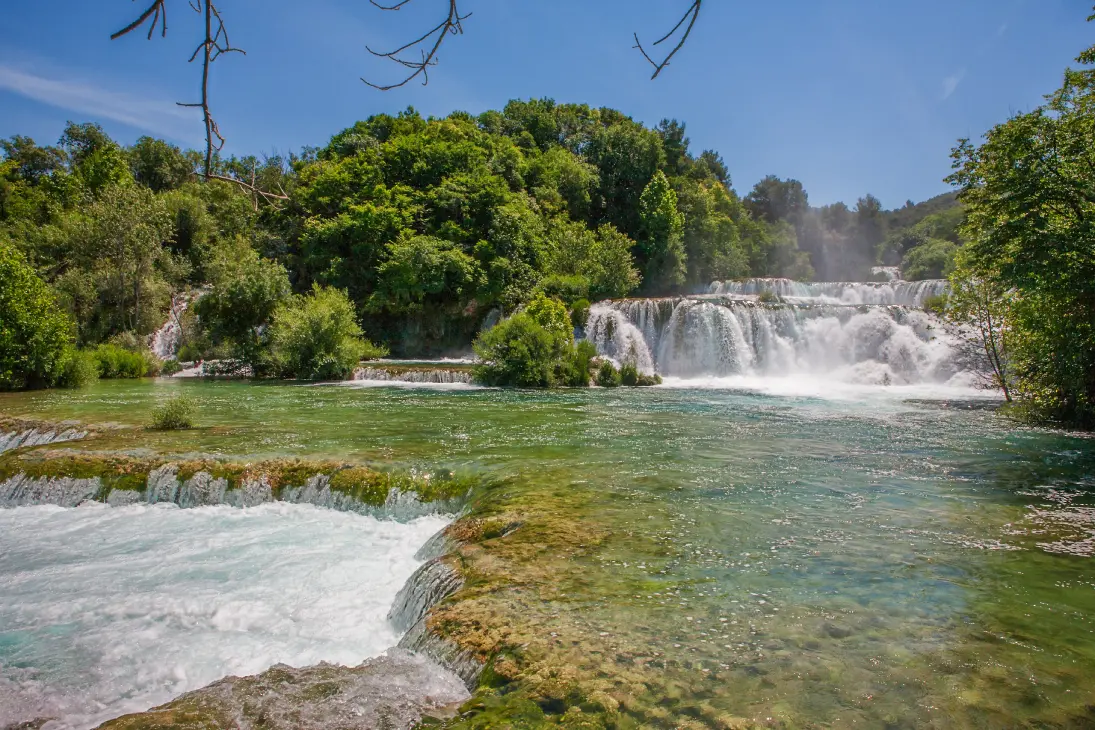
579, 313
564, 288
608, 376
170, 367
630, 376
768, 297
936, 304
117, 362
79, 369
580, 367
316, 337
533, 348
34, 332
174, 415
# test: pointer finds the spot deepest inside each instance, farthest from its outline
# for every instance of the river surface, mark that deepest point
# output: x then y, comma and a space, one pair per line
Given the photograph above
860, 556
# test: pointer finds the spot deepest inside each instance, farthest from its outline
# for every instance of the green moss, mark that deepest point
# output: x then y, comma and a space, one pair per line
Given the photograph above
365, 485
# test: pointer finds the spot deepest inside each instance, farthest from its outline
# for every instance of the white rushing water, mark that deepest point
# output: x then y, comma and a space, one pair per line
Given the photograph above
906, 293
711, 338
106, 611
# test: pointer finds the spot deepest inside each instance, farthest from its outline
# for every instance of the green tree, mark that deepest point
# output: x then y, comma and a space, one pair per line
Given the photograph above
421, 272
158, 165
534, 348
1029, 196
662, 242
317, 337
34, 333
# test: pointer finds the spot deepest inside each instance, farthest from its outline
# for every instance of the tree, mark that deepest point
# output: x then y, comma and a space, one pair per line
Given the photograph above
317, 337
34, 333
662, 242
423, 272
122, 240
158, 165
982, 313
773, 200
1029, 195
247, 289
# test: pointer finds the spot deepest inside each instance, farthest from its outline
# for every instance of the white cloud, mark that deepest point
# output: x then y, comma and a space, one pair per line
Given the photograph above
950, 84
152, 115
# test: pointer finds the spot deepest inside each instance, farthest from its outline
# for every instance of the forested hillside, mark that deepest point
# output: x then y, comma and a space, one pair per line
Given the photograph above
427, 224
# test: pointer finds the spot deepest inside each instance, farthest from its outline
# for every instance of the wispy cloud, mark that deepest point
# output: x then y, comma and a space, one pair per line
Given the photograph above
151, 115
950, 84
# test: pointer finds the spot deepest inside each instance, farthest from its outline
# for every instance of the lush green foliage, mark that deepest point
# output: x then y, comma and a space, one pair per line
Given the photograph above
316, 336
174, 415
79, 369
1029, 193
114, 361
534, 348
34, 333
608, 376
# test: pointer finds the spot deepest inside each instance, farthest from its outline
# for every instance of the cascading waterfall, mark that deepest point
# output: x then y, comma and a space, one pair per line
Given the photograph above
905, 293
439, 376
165, 341
723, 336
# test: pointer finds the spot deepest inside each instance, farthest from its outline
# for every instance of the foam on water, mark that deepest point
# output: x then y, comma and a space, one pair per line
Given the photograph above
106, 611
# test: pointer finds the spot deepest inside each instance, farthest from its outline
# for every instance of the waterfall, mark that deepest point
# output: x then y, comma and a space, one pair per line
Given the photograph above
413, 375
165, 341
711, 336
38, 437
905, 293
163, 486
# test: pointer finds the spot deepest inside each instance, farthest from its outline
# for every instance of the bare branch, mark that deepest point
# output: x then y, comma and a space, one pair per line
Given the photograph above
157, 11
420, 67
690, 16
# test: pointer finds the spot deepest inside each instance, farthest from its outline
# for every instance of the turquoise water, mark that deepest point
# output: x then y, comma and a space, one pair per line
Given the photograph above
841, 556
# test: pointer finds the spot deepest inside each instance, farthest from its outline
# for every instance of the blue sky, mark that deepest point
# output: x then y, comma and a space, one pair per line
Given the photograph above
848, 96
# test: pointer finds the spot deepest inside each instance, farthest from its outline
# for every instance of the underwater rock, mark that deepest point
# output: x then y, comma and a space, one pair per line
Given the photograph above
393, 691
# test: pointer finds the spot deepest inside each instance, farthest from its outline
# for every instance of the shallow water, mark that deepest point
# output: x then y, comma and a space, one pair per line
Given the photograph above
105, 611
850, 555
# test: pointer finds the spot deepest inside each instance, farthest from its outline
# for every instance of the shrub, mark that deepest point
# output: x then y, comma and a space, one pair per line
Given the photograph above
936, 304
174, 415
79, 369
170, 367
768, 297
630, 376
564, 288
580, 366
608, 376
117, 362
316, 337
34, 333
579, 313
533, 348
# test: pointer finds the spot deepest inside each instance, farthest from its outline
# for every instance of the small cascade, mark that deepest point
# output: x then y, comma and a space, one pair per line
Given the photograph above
164, 342
430, 584
38, 437
202, 489
904, 293
892, 273
413, 375
713, 336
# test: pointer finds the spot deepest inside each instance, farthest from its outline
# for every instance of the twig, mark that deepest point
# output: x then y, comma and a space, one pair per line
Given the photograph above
690, 16
452, 24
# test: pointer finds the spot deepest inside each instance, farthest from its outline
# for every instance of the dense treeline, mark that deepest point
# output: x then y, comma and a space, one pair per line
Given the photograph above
407, 231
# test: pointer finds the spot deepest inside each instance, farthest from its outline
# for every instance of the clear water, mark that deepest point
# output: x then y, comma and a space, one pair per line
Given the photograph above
831, 554
105, 611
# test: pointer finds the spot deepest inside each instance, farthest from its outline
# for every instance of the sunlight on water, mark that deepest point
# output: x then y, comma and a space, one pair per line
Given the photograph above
105, 611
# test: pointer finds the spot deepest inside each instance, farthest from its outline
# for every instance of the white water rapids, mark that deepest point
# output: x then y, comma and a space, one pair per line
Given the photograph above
106, 611
730, 334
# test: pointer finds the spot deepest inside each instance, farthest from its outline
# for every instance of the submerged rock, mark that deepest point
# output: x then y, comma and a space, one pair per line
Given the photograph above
393, 691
